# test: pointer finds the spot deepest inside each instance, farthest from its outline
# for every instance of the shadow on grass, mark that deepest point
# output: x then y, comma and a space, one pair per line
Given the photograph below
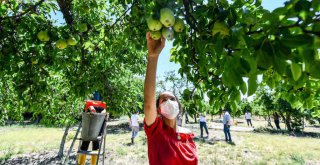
142, 140
121, 128
212, 141
286, 132
118, 129
41, 159
129, 144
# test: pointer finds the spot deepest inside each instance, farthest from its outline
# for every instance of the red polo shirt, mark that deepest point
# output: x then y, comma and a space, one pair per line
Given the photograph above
167, 147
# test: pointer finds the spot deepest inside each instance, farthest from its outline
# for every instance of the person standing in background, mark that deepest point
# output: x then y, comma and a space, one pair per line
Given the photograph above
134, 123
247, 116
226, 125
203, 123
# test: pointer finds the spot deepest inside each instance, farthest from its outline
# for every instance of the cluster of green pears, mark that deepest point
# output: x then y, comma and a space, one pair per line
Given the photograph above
62, 43
166, 26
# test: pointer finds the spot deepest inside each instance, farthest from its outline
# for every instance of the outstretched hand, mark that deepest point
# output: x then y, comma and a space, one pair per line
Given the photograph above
155, 46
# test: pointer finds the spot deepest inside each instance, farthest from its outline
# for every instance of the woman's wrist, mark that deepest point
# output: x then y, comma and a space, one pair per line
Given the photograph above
152, 56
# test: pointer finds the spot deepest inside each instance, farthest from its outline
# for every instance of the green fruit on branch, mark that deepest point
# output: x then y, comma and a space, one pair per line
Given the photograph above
296, 71
34, 61
85, 9
167, 33
179, 25
167, 17
71, 41
61, 44
153, 24
83, 27
221, 28
155, 35
43, 36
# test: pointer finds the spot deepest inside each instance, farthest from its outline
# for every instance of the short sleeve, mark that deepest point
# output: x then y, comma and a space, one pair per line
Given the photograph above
154, 128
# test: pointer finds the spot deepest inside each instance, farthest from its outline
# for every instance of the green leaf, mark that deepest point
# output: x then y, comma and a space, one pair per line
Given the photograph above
218, 47
233, 106
294, 41
296, 71
282, 51
316, 6
244, 67
238, 3
271, 83
280, 65
264, 59
252, 85
243, 88
314, 69
316, 27
258, 3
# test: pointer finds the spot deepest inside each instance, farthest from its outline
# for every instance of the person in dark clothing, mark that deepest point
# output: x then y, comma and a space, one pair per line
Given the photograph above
276, 120
97, 96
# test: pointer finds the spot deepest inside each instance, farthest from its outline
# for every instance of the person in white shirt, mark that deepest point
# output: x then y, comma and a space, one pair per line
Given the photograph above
226, 125
203, 123
134, 124
247, 116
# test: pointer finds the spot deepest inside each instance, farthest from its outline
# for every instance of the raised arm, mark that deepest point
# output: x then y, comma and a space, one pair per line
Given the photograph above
154, 49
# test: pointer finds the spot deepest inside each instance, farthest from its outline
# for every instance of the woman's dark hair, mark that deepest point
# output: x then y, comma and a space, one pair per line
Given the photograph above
158, 99
179, 116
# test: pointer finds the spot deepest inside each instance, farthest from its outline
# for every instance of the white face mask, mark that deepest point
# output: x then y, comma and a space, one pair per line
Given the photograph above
169, 109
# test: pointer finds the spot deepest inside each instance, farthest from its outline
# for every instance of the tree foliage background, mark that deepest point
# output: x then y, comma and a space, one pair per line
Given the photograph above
223, 43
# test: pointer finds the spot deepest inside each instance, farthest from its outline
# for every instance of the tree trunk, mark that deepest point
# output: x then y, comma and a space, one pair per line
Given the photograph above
303, 124
269, 122
195, 118
287, 121
63, 141
184, 117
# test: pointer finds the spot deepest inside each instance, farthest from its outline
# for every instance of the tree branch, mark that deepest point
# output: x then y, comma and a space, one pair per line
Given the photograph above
24, 12
65, 9
311, 32
188, 15
123, 14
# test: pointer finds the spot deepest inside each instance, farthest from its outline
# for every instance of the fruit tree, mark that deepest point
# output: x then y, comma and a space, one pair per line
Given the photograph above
48, 64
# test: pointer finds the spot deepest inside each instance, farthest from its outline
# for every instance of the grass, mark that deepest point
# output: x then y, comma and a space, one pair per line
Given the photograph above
20, 140
248, 147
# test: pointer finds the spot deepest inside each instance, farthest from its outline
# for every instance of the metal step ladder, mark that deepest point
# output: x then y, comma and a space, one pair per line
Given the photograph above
102, 144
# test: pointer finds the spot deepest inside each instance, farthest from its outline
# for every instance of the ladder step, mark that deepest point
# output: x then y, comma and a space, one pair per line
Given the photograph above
98, 138
89, 152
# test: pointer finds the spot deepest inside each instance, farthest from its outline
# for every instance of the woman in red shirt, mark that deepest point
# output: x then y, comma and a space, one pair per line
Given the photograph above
167, 143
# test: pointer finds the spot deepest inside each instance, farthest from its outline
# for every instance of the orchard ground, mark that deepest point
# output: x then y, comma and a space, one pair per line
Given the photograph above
39, 145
